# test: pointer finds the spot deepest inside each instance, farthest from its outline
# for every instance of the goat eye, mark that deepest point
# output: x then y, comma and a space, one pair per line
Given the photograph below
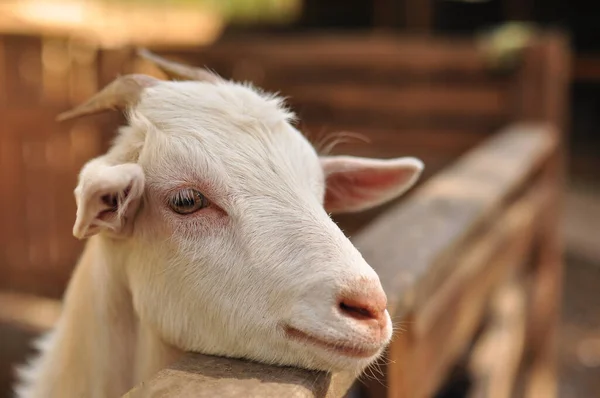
187, 201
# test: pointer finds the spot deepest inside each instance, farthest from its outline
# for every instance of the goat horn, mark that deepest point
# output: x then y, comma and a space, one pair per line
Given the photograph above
122, 92
179, 71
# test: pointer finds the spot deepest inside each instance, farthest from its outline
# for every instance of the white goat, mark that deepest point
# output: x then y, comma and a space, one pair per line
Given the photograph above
209, 231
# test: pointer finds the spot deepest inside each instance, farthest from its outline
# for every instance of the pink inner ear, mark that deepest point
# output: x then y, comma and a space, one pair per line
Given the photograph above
357, 188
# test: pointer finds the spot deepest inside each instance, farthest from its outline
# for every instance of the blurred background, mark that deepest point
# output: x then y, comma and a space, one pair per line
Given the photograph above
56, 53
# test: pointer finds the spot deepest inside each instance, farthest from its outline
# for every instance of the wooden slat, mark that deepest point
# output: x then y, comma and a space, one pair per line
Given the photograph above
28, 201
324, 50
316, 113
437, 326
497, 355
30, 122
22, 60
3, 71
41, 163
543, 82
276, 72
448, 321
14, 239
31, 312
408, 102
518, 223
542, 377
200, 376
446, 210
409, 245
443, 139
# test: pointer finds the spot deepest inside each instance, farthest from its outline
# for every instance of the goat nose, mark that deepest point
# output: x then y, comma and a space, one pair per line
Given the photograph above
365, 302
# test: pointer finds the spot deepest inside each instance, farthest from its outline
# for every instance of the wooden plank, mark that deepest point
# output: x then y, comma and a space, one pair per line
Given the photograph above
401, 372
439, 217
497, 355
57, 70
3, 71
546, 293
276, 72
198, 376
516, 223
36, 177
25, 169
23, 69
323, 49
413, 101
33, 313
446, 210
542, 86
368, 118
13, 240
542, 375
25, 121
40, 162
445, 325
443, 139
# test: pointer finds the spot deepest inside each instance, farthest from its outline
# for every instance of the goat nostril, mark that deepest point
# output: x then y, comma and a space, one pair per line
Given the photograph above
356, 311
363, 301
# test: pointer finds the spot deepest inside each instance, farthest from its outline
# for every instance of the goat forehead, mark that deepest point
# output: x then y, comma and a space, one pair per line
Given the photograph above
231, 131
216, 106
243, 163
250, 164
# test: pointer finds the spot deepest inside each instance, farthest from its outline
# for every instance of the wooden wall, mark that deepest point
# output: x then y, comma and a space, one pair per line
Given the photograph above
39, 158
430, 98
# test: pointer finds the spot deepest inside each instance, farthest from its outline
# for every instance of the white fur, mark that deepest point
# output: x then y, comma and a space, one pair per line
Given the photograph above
152, 284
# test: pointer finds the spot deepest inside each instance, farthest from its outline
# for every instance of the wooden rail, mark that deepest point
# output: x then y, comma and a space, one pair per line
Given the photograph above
197, 376
441, 255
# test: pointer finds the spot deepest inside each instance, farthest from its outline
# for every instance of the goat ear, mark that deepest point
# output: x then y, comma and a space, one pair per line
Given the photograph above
107, 198
355, 184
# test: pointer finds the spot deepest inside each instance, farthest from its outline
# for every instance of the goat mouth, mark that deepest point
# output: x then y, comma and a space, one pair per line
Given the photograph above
344, 349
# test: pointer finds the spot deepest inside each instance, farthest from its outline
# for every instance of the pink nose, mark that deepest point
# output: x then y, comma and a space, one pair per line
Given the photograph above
365, 302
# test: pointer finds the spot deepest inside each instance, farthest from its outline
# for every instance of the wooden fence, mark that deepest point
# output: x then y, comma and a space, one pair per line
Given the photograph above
471, 259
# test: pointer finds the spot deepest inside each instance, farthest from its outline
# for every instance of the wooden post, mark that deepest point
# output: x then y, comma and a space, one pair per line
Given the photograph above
543, 95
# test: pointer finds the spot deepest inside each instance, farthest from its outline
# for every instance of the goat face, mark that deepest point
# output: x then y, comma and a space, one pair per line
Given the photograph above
221, 209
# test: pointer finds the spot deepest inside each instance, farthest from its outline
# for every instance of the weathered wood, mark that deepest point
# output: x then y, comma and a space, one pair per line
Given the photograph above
544, 314
400, 381
371, 81
543, 81
444, 328
198, 376
498, 353
404, 54
545, 294
22, 66
411, 101
26, 311
447, 210
3, 73
444, 139
419, 244
513, 227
